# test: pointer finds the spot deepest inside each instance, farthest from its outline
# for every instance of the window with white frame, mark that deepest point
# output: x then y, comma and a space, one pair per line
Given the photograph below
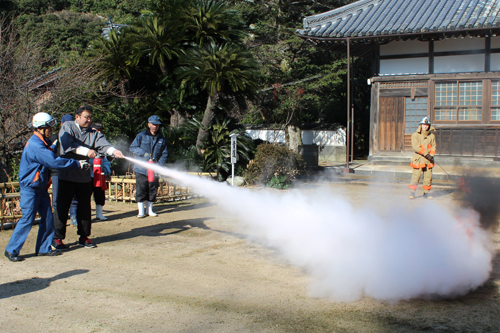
495, 100
415, 110
460, 101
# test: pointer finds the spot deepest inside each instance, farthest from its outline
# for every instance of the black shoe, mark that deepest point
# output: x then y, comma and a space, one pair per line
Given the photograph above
51, 253
428, 196
85, 241
13, 257
58, 245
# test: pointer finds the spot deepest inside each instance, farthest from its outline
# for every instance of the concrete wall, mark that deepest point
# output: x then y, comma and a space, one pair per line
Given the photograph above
329, 154
332, 143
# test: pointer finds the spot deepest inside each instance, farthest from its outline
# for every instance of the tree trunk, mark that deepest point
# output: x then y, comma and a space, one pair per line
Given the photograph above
207, 120
293, 138
124, 89
176, 118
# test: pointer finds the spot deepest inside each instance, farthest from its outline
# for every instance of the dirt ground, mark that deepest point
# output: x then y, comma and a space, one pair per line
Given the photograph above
192, 270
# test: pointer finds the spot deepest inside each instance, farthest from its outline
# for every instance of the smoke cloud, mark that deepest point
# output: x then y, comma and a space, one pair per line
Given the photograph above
351, 252
482, 194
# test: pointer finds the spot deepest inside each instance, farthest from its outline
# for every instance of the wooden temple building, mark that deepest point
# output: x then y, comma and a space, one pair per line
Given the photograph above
434, 58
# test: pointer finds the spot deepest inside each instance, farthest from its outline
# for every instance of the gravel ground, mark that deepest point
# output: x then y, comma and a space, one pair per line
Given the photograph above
191, 269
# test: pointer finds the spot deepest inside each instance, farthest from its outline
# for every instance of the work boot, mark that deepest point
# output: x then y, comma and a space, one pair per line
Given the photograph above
149, 207
412, 195
98, 213
13, 257
428, 196
140, 206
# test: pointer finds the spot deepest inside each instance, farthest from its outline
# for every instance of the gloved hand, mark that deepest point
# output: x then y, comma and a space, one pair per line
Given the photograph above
84, 165
430, 158
147, 156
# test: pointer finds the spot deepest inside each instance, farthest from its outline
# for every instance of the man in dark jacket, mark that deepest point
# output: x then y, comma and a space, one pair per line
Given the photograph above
55, 174
79, 141
34, 180
148, 145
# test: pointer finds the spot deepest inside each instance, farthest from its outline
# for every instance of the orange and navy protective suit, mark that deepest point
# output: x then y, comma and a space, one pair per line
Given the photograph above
423, 143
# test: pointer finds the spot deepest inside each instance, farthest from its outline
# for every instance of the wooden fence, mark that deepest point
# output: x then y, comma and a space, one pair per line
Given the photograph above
120, 189
10, 206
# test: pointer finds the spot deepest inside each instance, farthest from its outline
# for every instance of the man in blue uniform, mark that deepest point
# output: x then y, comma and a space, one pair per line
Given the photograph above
34, 176
148, 145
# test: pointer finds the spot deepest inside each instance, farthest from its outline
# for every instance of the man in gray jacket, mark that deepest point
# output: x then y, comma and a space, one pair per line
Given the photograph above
79, 141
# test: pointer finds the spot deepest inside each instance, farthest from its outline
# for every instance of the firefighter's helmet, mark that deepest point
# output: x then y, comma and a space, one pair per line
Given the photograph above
425, 121
42, 119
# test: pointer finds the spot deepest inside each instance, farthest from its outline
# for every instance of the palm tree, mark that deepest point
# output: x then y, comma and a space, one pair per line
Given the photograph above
214, 21
157, 39
218, 147
219, 69
116, 58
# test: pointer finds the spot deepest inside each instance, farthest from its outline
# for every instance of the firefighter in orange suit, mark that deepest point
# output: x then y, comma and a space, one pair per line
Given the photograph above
423, 143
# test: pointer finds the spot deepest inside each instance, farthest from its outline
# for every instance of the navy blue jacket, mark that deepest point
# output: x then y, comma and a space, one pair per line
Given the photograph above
147, 143
36, 162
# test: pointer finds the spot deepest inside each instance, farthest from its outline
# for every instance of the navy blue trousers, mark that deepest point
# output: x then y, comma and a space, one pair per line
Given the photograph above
31, 203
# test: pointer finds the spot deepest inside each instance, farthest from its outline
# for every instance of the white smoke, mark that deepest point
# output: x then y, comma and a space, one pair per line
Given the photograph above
351, 253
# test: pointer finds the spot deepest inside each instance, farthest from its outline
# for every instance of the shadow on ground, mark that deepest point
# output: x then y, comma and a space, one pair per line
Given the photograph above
27, 286
161, 229
158, 208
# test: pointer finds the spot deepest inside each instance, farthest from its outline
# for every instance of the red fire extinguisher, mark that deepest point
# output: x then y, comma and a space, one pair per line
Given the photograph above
151, 174
99, 178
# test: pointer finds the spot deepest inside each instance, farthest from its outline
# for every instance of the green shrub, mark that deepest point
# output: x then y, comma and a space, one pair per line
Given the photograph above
279, 182
274, 165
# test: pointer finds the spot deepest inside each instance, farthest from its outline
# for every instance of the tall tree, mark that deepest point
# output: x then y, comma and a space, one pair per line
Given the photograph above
212, 21
219, 69
27, 87
116, 58
155, 39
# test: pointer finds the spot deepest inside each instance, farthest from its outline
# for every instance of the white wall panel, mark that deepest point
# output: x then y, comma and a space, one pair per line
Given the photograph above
404, 47
459, 64
327, 138
309, 137
495, 62
460, 44
495, 42
404, 66
272, 136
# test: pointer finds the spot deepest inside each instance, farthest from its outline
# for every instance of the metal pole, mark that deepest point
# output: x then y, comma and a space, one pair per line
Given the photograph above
232, 174
348, 101
352, 134
234, 154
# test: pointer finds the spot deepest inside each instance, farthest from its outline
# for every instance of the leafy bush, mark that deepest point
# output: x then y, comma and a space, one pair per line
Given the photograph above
279, 182
274, 165
216, 153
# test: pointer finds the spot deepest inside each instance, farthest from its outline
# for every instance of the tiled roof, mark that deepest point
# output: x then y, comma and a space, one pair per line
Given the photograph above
43, 79
111, 26
379, 18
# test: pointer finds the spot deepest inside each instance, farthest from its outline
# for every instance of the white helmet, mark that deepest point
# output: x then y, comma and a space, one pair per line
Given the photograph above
42, 119
425, 121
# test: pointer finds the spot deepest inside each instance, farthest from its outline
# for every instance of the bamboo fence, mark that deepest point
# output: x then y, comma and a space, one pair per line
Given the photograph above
120, 189
10, 203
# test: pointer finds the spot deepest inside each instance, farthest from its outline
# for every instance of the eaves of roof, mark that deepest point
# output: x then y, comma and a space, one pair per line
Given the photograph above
380, 21
43, 79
